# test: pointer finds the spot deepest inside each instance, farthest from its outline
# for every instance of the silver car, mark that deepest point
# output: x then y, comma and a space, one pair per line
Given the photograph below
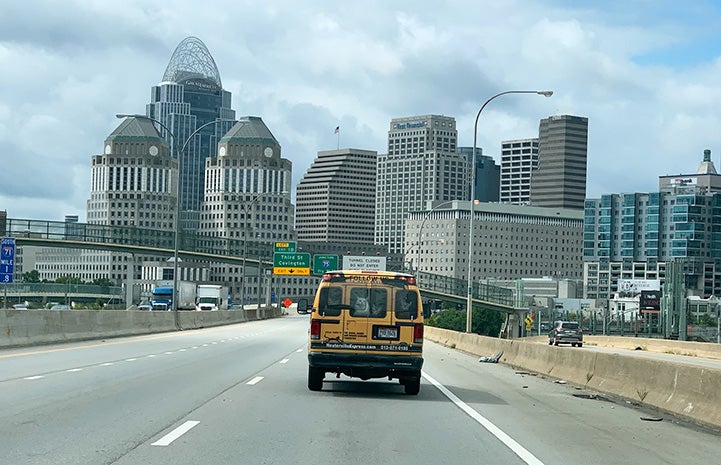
566, 332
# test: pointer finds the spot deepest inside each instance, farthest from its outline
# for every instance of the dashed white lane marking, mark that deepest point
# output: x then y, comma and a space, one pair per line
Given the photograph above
515, 447
34, 377
74, 370
176, 433
130, 359
299, 350
168, 353
285, 360
255, 380
106, 364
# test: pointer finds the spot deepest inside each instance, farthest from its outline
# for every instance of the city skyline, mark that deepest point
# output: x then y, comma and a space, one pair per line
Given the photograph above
648, 89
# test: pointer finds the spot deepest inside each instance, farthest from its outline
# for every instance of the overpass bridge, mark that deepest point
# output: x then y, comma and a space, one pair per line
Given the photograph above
142, 241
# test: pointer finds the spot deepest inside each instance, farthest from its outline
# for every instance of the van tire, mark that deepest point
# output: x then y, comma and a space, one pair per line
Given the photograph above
315, 378
412, 386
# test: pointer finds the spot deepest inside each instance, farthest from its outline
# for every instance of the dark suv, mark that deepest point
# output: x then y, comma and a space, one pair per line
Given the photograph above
566, 332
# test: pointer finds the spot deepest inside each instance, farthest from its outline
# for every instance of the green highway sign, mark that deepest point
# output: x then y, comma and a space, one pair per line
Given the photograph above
291, 260
323, 263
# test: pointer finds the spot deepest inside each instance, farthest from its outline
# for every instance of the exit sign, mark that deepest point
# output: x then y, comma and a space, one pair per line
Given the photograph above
284, 247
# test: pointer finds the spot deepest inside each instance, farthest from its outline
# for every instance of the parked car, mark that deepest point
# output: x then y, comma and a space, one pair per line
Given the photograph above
145, 305
20, 307
60, 307
566, 332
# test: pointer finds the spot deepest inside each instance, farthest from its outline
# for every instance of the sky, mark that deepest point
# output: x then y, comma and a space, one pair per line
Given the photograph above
646, 73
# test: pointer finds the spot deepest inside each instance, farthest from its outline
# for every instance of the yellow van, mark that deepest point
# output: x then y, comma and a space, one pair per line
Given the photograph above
366, 324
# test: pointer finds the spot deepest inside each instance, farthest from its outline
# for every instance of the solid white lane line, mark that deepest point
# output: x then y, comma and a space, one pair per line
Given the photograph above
517, 449
34, 377
176, 433
255, 380
285, 360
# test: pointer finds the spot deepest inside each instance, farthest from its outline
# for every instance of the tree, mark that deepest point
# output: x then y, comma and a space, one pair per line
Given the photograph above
486, 322
31, 277
102, 282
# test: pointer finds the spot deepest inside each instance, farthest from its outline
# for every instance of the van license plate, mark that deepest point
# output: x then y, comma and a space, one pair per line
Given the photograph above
388, 332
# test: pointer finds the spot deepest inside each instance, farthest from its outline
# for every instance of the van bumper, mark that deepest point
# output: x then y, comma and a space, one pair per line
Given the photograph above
367, 365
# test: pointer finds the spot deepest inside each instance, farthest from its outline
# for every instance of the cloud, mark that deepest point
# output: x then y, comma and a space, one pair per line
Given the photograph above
648, 87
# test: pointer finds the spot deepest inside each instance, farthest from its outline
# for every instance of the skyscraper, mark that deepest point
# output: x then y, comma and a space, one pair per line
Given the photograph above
487, 176
518, 160
560, 179
421, 165
335, 200
190, 95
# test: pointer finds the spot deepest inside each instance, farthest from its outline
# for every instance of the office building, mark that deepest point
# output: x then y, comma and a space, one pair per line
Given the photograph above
247, 197
487, 177
518, 160
335, 200
635, 235
510, 241
191, 95
421, 165
560, 179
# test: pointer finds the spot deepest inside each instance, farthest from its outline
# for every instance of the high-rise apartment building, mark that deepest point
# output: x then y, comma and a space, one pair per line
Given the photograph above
560, 179
518, 160
633, 236
421, 165
335, 200
487, 177
190, 95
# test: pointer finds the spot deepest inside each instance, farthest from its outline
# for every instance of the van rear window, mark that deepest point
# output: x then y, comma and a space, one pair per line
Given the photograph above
331, 301
406, 305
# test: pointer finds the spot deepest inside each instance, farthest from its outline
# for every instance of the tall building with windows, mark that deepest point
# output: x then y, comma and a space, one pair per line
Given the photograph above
635, 235
247, 197
190, 95
518, 160
487, 176
510, 241
421, 165
335, 200
560, 179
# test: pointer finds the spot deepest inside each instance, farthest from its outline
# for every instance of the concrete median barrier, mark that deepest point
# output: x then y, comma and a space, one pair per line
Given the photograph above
688, 391
34, 327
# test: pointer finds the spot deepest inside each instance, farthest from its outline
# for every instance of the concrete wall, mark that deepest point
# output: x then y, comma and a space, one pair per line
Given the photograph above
685, 390
32, 327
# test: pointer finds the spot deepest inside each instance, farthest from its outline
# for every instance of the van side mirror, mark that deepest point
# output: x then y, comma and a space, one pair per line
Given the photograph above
302, 306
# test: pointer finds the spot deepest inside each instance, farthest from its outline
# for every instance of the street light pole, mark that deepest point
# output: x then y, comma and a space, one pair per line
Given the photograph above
245, 248
469, 301
178, 203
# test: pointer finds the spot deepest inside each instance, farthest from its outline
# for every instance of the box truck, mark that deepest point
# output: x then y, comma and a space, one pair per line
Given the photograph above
212, 297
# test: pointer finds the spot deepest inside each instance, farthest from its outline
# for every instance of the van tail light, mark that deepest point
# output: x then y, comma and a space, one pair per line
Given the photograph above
315, 329
418, 333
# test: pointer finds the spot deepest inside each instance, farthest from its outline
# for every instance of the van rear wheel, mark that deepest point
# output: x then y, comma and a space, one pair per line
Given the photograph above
412, 385
315, 378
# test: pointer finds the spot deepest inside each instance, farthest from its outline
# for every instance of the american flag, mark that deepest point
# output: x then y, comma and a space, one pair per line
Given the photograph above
337, 128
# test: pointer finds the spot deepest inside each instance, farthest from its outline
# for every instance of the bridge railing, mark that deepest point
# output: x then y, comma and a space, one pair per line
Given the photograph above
141, 237
459, 287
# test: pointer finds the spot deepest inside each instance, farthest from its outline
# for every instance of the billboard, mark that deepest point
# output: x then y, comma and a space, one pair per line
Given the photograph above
635, 286
650, 301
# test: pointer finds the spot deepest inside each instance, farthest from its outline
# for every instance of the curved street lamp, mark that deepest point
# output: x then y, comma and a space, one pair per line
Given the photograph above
469, 301
178, 203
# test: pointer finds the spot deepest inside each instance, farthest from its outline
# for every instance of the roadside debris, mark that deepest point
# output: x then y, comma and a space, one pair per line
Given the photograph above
651, 419
560, 381
493, 359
